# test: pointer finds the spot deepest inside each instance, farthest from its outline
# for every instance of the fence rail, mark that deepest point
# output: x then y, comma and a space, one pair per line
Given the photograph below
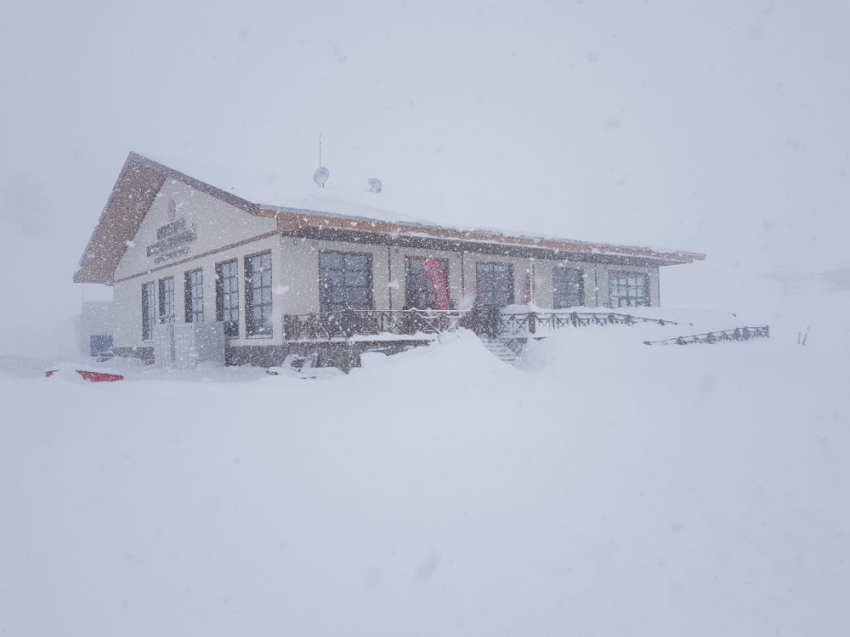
736, 334
524, 324
350, 323
485, 321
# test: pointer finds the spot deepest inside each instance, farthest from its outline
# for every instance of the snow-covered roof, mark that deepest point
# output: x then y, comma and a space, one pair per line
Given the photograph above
323, 212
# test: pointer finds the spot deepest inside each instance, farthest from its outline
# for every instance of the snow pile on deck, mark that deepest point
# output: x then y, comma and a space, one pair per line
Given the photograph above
608, 490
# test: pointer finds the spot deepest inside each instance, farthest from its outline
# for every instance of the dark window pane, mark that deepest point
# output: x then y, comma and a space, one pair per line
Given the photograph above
568, 288
227, 297
345, 281
628, 289
166, 300
148, 310
258, 310
495, 284
193, 295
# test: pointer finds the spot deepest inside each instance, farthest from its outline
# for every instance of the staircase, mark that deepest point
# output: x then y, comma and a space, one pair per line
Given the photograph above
500, 350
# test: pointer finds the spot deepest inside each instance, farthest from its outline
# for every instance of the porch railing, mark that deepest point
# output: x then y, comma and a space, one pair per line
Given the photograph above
350, 323
736, 334
524, 324
485, 321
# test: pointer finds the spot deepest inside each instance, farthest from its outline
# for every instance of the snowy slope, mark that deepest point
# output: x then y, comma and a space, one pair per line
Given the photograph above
607, 488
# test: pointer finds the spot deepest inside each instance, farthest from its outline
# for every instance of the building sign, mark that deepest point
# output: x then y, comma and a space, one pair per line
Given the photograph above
172, 241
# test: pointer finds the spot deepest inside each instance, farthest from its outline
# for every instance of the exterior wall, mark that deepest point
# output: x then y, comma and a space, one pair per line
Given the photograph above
300, 272
602, 271
222, 232
543, 281
522, 269
96, 318
300, 275
216, 225
128, 294
398, 263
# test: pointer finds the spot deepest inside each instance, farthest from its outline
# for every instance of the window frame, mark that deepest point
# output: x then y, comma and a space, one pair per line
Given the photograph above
226, 314
262, 328
643, 289
165, 300
493, 264
149, 310
324, 291
193, 296
555, 297
408, 259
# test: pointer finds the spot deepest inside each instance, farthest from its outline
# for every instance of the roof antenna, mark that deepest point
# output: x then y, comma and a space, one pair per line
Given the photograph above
321, 175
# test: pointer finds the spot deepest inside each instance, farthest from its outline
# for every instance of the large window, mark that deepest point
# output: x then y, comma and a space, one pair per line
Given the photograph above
345, 281
148, 310
193, 295
418, 291
227, 296
628, 289
258, 295
567, 288
495, 284
166, 300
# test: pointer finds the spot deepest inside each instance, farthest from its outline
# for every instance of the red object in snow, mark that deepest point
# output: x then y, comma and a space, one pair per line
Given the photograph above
92, 377
434, 272
99, 377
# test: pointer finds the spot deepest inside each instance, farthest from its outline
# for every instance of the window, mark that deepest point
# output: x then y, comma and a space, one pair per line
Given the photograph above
166, 300
148, 310
227, 296
418, 291
567, 288
495, 284
345, 281
258, 295
193, 294
628, 289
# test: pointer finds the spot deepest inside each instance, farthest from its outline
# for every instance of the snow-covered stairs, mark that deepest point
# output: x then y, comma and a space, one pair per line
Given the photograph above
500, 350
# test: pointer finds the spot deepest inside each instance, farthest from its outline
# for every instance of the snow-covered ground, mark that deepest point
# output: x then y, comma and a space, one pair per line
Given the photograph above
602, 487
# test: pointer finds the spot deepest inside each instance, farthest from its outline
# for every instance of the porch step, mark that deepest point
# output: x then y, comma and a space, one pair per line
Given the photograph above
500, 350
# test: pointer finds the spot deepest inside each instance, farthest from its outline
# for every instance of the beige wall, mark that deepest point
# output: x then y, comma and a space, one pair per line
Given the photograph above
295, 267
602, 278
215, 222
128, 294
300, 272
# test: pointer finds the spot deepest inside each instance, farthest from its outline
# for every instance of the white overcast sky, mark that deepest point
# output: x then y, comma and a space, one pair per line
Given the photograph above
718, 127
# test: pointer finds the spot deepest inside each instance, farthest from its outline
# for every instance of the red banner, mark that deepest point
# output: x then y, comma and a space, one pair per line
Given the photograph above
434, 272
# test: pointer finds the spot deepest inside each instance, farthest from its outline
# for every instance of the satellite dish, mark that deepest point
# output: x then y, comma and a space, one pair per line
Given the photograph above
375, 185
321, 176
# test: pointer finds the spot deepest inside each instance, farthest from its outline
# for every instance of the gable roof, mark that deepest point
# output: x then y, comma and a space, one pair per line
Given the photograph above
141, 179
132, 196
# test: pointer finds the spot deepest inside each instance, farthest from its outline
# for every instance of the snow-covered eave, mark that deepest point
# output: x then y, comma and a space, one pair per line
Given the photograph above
295, 221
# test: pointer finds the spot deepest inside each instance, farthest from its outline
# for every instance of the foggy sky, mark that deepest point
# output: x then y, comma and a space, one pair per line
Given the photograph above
714, 127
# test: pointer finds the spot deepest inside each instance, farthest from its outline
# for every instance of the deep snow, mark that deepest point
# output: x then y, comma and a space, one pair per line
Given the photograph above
602, 488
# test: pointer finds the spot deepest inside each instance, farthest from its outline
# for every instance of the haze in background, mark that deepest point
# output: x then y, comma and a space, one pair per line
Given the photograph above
718, 127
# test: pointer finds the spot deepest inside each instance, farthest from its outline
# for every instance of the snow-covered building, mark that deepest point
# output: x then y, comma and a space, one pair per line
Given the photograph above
323, 278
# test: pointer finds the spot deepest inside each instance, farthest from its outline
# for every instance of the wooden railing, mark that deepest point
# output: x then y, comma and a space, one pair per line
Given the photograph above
520, 325
350, 323
486, 321
736, 334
